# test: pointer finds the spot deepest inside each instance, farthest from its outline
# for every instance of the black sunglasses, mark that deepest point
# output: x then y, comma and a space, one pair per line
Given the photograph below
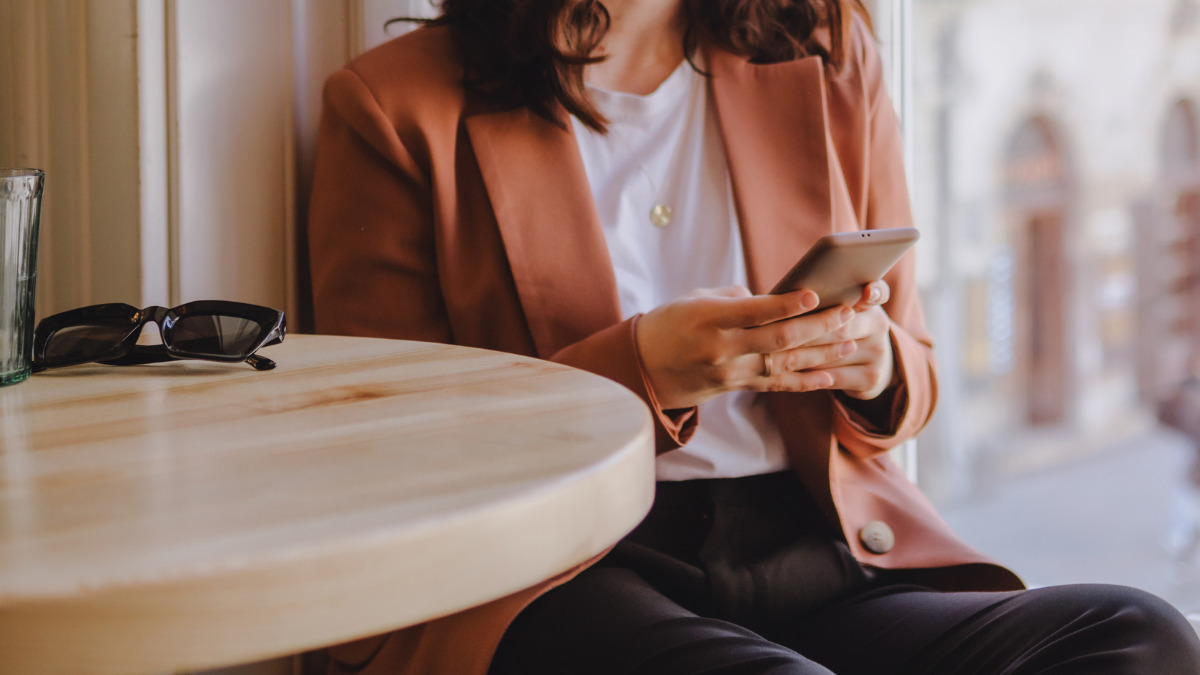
212, 330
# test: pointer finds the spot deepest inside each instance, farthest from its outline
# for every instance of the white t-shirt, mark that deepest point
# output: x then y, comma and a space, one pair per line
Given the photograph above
670, 137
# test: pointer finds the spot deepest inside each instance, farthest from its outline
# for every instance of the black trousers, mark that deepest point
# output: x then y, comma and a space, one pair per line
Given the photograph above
743, 576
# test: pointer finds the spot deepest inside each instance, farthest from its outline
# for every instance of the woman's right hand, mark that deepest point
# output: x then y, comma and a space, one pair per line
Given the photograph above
712, 341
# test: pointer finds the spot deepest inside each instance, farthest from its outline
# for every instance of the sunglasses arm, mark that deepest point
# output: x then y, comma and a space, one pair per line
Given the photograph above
260, 362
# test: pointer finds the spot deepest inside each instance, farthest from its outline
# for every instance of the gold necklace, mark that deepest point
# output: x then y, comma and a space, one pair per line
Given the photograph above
660, 213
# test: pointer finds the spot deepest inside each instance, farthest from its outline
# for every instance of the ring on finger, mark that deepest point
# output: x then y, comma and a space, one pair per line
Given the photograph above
768, 366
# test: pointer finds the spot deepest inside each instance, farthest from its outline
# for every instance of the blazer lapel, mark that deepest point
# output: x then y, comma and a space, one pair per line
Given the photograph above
789, 191
775, 126
548, 221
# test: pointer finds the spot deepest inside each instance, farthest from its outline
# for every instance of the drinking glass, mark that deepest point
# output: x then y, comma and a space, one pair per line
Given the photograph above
20, 216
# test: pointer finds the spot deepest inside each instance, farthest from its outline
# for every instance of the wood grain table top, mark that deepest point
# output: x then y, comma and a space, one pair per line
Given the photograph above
192, 514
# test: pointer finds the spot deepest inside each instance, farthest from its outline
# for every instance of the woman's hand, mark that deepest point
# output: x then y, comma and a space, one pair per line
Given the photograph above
713, 341
868, 370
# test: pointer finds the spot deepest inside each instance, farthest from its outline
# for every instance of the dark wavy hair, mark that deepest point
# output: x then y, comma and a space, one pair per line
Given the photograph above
533, 52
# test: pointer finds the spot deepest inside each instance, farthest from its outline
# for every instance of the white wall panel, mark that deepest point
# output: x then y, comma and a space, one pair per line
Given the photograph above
68, 100
178, 137
232, 154
154, 101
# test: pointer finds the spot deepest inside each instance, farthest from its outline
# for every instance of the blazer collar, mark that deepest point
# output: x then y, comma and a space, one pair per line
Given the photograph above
775, 129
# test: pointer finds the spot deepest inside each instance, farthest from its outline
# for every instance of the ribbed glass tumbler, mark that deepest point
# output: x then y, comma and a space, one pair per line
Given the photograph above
20, 216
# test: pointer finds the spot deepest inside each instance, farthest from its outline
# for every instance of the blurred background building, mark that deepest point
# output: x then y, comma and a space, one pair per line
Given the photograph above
1056, 174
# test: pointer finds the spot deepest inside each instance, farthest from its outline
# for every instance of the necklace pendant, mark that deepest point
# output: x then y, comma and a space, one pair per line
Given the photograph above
660, 215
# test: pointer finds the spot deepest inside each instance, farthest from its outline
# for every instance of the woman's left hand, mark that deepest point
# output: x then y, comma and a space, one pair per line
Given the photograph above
867, 371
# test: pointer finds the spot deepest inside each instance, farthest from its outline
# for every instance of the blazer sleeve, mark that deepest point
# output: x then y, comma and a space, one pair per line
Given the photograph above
912, 397
613, 353
370, 227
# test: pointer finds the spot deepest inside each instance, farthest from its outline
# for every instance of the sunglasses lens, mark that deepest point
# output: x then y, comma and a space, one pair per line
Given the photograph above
215, 334
85, 342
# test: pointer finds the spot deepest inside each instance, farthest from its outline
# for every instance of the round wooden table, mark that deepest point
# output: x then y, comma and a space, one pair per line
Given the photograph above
192, 514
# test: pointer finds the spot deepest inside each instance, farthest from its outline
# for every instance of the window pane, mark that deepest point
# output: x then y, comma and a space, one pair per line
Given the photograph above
1056, 174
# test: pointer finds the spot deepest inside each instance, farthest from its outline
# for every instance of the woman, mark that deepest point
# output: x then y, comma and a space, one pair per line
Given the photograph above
599, 185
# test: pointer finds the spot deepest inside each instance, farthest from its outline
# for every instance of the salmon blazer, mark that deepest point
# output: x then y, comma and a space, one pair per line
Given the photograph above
437, 215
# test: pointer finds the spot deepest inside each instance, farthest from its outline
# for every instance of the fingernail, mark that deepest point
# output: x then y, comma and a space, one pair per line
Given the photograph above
875, 294
847, 314
808, 300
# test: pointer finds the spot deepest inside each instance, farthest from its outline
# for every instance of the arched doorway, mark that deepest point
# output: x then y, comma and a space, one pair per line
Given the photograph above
1170, 274
1037, 199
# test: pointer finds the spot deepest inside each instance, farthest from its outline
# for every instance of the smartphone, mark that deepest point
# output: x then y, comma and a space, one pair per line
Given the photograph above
840, 264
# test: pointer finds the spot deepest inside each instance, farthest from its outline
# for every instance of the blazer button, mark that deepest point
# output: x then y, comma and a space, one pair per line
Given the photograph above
877, 537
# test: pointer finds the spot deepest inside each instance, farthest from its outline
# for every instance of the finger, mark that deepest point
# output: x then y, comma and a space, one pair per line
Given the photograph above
880, 293
870, 352
760, 310
874, 294
856, 381
794, 332
808, 380
848, 378
868, 324
814, 358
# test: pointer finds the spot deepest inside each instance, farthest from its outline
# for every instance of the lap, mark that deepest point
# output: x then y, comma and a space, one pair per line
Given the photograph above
1081, 628
745, 576
611, 621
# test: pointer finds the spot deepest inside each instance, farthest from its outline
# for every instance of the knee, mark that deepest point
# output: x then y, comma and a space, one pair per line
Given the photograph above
1143, 626
1137, 611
